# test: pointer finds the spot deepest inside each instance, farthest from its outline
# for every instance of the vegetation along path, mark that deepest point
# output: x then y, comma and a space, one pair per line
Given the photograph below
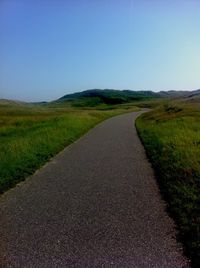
96, 204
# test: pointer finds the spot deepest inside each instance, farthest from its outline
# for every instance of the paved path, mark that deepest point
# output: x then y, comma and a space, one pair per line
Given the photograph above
96, 204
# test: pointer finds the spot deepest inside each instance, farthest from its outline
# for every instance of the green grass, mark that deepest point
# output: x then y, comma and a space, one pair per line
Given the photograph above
31, 135
171, 135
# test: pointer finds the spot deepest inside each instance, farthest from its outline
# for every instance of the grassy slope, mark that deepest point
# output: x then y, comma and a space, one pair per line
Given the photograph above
171, 135
30, 135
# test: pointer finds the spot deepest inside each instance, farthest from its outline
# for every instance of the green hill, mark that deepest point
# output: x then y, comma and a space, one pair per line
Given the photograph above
95, 97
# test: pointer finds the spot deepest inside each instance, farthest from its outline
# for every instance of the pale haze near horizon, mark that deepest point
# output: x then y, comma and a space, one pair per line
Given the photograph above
52, 48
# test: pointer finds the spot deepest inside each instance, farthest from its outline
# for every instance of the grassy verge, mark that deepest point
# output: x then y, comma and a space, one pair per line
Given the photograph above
29, 136
171, 136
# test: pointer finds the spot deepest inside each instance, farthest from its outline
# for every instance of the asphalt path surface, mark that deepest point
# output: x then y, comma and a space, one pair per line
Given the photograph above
96, 204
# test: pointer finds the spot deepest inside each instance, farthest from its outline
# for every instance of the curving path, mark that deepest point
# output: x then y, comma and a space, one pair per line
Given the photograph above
96, 204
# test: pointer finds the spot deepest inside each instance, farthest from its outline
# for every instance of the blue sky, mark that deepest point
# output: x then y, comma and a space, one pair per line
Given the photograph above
51, 48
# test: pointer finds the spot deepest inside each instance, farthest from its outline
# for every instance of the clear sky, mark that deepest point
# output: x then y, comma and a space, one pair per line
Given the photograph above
51, 48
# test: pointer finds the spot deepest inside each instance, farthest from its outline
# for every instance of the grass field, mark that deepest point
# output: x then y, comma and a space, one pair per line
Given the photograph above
171, 135
30, 135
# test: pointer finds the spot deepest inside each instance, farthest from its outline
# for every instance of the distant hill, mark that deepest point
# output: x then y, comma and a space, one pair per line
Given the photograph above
108, 96
179, 94
93, 97
110, 93
6, 102
193, 95
11, 102
173, 94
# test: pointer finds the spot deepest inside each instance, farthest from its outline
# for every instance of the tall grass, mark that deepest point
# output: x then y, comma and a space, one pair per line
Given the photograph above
171, 135
29, 136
